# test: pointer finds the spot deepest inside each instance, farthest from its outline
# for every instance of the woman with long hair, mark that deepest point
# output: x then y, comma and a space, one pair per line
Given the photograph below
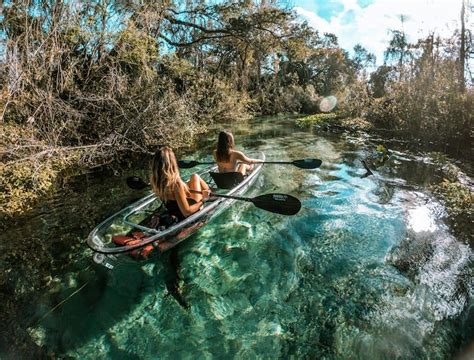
228, 159
172, 190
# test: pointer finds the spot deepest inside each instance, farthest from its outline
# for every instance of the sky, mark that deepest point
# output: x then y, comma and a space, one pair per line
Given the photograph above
368, 22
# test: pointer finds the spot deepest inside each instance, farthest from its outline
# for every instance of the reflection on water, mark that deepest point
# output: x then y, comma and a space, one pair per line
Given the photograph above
365, 270
420, 219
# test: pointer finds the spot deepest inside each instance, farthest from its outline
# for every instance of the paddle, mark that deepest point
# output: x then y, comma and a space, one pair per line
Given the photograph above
302, 164
277, 203
136, 183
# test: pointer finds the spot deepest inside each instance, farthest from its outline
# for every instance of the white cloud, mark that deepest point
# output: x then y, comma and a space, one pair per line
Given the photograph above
370, 25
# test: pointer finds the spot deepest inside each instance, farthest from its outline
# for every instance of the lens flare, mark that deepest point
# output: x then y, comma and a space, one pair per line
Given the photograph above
328, 103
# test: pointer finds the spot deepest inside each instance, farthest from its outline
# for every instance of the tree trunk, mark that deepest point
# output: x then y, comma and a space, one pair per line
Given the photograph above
259, 66
462, 51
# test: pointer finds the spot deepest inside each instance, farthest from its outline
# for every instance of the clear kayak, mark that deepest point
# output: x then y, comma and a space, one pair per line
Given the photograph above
134, 217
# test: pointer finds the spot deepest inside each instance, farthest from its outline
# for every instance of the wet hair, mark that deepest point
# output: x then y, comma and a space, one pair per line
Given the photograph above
225, 144
164, 176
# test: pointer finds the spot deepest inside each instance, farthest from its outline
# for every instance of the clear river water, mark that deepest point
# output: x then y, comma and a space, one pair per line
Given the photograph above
366, 270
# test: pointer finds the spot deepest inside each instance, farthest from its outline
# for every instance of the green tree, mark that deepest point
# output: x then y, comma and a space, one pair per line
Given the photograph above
362, 59
398, 50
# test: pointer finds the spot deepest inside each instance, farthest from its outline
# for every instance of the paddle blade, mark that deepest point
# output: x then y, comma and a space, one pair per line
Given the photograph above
187, 164
307, 163
134, 182
278, 203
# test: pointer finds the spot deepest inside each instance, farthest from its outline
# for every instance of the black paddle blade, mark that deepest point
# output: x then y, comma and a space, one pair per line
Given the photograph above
308, 163
135, 183
187, 164
278, 203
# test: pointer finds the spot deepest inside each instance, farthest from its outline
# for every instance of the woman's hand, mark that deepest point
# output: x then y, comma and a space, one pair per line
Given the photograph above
205, 195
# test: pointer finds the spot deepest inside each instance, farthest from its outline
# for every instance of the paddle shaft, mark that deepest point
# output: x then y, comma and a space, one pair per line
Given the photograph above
225, 196
279, 162
303, 163
256, 162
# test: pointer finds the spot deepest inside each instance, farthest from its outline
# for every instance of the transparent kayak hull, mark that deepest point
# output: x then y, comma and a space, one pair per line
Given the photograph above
128, 219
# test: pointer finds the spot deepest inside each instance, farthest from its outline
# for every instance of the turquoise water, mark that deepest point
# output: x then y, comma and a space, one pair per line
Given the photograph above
366, 270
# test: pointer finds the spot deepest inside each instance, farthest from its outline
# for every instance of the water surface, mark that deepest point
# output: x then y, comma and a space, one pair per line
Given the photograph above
366, 270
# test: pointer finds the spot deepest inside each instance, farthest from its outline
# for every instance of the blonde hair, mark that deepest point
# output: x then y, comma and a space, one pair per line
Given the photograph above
165, 178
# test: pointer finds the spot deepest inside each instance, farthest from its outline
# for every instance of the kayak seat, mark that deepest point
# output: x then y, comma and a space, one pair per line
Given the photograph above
226, 180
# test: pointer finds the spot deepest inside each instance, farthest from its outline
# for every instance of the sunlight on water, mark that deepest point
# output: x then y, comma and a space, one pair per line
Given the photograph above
420, 219
365, 270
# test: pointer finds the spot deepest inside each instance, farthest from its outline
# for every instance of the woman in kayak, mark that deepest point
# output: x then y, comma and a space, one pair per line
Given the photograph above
228, 159
169, 187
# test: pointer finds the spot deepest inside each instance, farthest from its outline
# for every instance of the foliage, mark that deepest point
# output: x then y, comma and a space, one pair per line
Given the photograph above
103, 78
355, 99
334, 122
317, 119
419, 96
356, 123
382, 76
290, 99
397, 48
21, 184
362, 58
26, 176
459, 202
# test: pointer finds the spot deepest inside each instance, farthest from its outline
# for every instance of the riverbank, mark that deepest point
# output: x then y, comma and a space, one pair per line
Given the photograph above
32, 170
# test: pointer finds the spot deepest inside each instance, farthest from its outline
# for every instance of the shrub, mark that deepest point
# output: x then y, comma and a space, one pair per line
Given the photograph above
459, 201
317, 119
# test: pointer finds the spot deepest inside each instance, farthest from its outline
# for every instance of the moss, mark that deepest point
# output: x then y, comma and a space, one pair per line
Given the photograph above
26, 176
356, 123
334, 120
22, 183
317, 119
458, 199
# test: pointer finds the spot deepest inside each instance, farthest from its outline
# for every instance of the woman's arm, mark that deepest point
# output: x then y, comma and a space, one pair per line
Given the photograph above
246, 160
183, 203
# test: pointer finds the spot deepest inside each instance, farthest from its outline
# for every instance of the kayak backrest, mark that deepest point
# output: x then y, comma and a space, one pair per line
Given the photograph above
227, 180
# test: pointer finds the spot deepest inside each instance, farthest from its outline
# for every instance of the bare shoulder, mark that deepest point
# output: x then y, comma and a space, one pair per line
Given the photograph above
237, 154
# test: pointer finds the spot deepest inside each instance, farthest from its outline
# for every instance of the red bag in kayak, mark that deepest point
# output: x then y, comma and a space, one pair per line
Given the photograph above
136, 238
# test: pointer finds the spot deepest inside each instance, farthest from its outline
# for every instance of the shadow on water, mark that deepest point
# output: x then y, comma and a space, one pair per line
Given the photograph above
80, 318
40, 246
172, 277
97, 299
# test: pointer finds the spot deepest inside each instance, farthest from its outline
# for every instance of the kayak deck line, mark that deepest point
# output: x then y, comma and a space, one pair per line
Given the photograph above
100, 238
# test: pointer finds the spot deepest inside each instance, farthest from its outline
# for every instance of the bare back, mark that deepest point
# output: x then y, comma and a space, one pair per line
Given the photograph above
228, 166
237, 162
